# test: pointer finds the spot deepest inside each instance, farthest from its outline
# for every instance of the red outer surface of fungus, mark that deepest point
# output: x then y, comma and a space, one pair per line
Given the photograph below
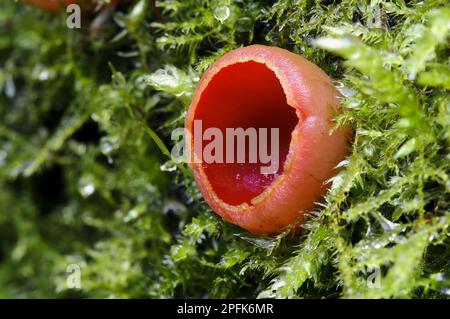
260, 86
56, 5
51, 5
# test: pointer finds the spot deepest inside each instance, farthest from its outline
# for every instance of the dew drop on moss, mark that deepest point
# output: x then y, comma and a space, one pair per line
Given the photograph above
2, 157
132, 214
10, 88
168, 166
86, 187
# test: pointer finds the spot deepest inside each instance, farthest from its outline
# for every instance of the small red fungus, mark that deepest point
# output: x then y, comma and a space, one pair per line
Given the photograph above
268, 87
51, 5
55, 5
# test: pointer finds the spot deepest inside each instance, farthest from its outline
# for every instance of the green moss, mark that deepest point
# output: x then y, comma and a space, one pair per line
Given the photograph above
86, 178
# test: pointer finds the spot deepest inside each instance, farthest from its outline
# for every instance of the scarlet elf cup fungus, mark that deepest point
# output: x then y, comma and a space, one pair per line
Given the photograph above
56, 5
266, 87
51, 5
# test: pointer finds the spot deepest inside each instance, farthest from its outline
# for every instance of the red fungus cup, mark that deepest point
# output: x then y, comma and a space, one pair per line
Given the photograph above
260, 87
56, 5
51, 5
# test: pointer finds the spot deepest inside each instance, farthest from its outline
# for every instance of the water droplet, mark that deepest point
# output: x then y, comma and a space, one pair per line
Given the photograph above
440, 277
87, 190
106, 148
446, 291
392, 237
132, 214
411, 76
86, 186
369, 150
386, 224
109, 144
346, 91
10, 88
355, 104
277, 285
222, 13
43, 75
307, 266
355, 56
3, 155
343, 163
369, 231
337, 181
266, 294
168, 166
